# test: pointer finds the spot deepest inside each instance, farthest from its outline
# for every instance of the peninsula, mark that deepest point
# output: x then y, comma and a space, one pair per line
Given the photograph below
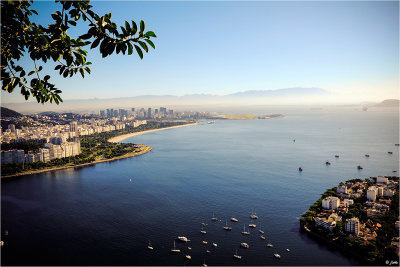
361, 217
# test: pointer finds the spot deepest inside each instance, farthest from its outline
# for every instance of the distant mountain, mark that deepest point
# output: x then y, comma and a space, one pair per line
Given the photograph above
7, 113
389, 103
48, 113
292, 92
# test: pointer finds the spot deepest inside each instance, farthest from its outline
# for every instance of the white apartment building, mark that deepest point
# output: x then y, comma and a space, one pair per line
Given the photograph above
352, 226
331, 203
347, 202
372, 193
381, 180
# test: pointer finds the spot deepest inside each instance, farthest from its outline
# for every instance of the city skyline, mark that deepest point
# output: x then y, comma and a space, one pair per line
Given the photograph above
347, 48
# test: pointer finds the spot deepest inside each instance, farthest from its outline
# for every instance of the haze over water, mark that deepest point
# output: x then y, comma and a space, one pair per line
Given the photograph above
97, 216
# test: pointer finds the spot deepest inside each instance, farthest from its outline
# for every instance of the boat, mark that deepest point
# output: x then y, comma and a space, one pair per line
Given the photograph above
276, 255
204, 263
227, 228
214, 245
287, 250
252, 225
390, 152
183, 239
327, 163
204, 242
189, 248
207, 251
1, 243
336, 156
233, 219
270, 245
261, 231
245, 245
262, 237
188, 257
202, 231
366, 155
300, 169
244, 231
204, 224
6, 232
149, 246
359, 167
175, 250
213, 218
236, 256
253, 215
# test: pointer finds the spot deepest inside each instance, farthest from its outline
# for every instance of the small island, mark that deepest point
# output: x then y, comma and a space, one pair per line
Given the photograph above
360, 217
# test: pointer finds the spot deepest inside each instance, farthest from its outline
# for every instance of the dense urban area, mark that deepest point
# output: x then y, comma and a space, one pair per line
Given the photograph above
360, 216
51, 139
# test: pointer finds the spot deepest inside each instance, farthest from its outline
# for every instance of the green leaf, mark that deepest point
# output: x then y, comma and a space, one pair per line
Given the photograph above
82, 72
30, 73
130, 49
86, 36
150, 43
140, 53
144, 46
128, 27
134, 28
46, 77
150, 34
65, 74
142, 26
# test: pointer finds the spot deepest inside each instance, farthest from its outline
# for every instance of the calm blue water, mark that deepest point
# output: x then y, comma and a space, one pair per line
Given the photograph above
96, 216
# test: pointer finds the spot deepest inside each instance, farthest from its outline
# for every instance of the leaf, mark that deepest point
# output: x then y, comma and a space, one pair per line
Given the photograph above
95, 43
142, 26
150, 34
144, 46
82, 72
128, 28
30, 73
65, 74
140, 53
86, 36
130, 49
150, 43
46, 77
134, 28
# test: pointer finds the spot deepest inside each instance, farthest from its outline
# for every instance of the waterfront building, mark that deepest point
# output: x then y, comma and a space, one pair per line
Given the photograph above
12, 156
331, 203
372, 192
352, 226
382, 180
325, 223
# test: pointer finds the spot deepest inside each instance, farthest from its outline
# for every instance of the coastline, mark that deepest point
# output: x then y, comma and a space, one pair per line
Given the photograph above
144, 149
120, 138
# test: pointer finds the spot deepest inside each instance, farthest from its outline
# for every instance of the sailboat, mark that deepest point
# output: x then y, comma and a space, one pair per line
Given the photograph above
253, 215
236, 256
245, 245
204, 263
244, 230
175, 250
188, 257
226, 227
261, 231
149, 246
213, 218
276, 255
233, 219
202, 231
262, 237
252, 225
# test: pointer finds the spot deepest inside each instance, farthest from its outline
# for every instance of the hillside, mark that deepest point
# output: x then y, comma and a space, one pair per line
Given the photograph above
389, 103
7, 113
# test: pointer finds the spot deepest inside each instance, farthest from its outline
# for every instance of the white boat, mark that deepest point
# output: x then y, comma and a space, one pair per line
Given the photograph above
236, 256
233, 219
149, 246
183, 239
245, 245
261, 231
244, 231
213, 218
226, 227
204, 224
252, 225
1, 243
188, 257
262, 237
253, 215
207, 251
215, 245
287, 250
270, 245
204, 263
203, 232
189, 248
175, 250
276, 255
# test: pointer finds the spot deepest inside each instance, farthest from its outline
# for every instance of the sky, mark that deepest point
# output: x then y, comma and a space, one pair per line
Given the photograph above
350, 49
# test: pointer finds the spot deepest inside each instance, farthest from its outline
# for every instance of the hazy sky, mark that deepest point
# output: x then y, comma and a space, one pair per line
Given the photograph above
348, 48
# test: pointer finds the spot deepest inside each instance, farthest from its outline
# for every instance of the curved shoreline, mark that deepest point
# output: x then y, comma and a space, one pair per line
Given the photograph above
144, 149
120, 138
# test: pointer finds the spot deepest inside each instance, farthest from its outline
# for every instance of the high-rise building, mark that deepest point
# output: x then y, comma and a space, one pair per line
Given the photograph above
372, 192
12, 128
330, 203
352, 226
102, 113
149, 113
156, 111
133, 109
73, 126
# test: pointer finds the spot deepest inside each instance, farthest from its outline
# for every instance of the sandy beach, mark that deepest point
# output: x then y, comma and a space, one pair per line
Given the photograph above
125, 136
